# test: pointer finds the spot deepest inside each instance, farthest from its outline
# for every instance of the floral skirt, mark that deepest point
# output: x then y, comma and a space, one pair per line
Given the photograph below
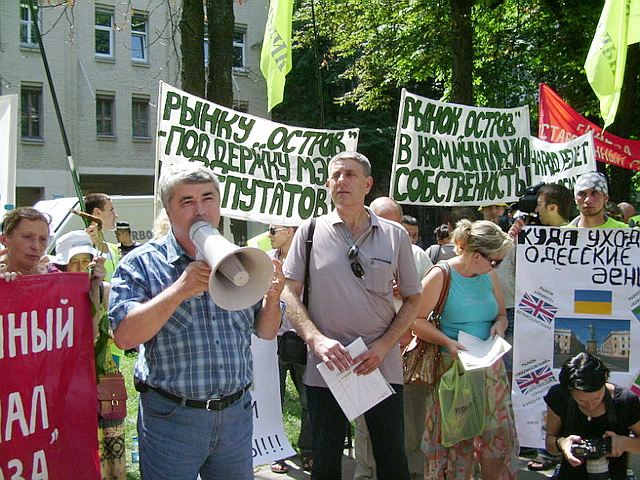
499, 440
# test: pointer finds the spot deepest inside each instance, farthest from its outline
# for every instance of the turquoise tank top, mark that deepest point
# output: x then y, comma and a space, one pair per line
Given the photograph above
471, 306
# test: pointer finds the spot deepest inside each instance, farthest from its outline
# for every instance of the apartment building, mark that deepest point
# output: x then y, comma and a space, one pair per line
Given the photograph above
106, 58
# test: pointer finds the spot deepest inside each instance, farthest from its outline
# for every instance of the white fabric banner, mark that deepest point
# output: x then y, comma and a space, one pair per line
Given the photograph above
268, 172
577, 289
269, 440
450, 154
8, 146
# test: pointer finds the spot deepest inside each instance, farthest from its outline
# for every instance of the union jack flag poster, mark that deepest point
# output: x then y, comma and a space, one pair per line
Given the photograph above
537, 308
528, 380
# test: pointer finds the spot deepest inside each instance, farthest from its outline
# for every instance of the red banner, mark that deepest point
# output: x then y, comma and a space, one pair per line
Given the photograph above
48, 413
559, 122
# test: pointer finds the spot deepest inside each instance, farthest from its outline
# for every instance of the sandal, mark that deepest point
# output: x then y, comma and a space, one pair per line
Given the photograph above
541, 464
279, 467
307, 461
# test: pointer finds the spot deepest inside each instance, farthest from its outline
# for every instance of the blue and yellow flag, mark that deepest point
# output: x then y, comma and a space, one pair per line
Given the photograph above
598, 302
619, 26
275, 61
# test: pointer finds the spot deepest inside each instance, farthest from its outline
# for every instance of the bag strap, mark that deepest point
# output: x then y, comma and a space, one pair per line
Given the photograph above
308, 245
444, 293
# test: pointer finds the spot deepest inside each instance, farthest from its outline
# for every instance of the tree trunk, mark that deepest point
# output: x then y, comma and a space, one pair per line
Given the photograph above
620, 178
192, 47
462, 52
221, 23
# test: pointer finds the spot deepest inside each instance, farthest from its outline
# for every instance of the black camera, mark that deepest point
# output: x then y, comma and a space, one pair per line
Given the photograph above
529, 200
592, 448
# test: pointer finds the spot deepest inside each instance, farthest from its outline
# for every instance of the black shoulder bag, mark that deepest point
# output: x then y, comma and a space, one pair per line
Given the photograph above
291, 348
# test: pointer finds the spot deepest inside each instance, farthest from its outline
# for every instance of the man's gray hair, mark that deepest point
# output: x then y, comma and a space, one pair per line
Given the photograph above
364, 162
186, 172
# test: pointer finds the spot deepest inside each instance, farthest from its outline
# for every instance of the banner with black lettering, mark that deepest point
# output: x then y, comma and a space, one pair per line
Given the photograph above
450, 154
577, 289
269, 442
268, 172
48, 397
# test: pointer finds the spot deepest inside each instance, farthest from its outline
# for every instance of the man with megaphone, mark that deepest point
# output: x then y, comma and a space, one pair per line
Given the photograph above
195, 413
354, 260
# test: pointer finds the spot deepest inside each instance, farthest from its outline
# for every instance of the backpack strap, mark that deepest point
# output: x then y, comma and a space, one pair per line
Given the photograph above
308, 245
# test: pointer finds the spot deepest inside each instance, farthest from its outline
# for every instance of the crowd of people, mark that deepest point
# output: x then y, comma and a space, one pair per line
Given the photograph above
355, 272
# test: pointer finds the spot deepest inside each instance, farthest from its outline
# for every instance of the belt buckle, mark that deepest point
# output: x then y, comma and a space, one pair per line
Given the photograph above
213, 404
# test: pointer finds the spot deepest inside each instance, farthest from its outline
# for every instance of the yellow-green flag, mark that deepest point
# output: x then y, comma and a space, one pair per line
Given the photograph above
608, 53
275, 62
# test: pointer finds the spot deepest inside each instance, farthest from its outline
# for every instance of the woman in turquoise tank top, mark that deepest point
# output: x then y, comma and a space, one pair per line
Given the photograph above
475, 305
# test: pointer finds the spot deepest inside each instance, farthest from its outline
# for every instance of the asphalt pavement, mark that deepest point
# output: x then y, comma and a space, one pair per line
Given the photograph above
348, 466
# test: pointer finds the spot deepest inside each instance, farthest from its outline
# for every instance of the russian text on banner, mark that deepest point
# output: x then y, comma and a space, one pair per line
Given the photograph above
558, 122
268, 172
450, 154
49, 419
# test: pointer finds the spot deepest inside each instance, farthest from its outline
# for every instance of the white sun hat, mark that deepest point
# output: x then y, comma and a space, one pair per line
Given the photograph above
73, 243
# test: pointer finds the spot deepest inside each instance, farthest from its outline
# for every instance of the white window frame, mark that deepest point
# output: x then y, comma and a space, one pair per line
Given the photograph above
242, 45
103, 28
143, 36
24, 4
136, 100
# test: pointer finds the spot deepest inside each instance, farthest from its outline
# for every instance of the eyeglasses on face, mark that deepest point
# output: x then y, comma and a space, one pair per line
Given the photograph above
492, 262
356, 268
273, 230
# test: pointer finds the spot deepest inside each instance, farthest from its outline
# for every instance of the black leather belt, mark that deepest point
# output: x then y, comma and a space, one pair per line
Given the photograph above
211, 404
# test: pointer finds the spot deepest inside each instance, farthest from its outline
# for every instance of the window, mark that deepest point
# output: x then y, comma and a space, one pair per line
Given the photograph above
104, 33
140, 117
27, 32
105, 112
31, 112
238, 50
139, 43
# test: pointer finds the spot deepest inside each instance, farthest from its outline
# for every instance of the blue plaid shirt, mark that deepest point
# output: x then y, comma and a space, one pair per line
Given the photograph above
202, 351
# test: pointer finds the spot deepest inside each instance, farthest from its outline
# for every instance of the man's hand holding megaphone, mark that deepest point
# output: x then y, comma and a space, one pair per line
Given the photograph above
194, 280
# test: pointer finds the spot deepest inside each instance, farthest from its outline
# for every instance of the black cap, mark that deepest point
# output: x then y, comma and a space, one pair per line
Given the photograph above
123, 226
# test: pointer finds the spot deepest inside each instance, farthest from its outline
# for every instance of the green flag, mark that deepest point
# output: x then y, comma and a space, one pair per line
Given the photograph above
276, 49
608, 53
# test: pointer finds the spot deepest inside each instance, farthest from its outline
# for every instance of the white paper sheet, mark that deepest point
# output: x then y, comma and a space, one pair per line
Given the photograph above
356, 393
481, 353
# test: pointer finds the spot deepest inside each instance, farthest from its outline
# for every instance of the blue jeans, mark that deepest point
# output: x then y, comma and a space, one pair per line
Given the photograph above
386, 428
178, 443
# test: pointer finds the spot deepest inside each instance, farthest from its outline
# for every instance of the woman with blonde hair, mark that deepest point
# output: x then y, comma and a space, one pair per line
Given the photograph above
474, 305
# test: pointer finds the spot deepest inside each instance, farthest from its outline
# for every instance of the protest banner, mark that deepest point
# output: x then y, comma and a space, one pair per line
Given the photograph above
269, 442
449, 154
562, 162
576, 290
48, 396
558, 122
268, 172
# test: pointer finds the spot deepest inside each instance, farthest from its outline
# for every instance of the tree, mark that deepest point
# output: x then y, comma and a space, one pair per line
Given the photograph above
192, 47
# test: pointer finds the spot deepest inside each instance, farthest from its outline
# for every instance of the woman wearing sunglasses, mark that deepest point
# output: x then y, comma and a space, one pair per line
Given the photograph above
474, 305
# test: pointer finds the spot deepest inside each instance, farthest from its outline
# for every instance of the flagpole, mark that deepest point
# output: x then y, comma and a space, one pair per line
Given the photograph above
315, 52
56, 106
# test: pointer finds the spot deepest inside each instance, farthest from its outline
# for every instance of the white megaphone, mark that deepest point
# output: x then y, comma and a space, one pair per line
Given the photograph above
240, 276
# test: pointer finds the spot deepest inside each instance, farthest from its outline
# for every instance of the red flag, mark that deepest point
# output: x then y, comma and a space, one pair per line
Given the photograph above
559, 122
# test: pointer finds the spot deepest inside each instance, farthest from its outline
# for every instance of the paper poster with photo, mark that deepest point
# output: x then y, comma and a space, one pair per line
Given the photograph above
577, 290
269, 172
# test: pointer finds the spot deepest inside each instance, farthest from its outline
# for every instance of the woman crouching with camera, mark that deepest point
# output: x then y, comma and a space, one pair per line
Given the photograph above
589, 421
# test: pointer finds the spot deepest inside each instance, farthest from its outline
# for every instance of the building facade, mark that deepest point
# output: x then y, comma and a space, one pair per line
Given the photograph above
106, 59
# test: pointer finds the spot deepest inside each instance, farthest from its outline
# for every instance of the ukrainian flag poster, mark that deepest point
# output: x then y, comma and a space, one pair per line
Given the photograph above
577, 290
